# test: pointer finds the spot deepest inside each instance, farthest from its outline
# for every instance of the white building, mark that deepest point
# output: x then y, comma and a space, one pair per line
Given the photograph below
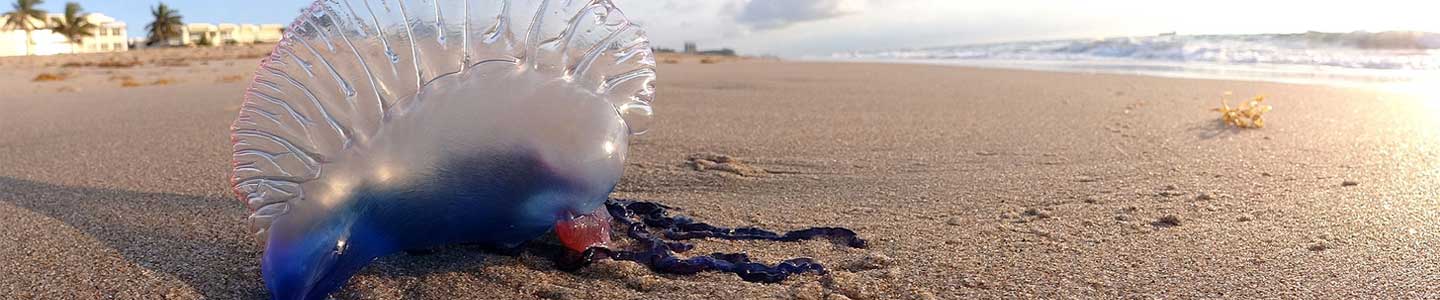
196, 34
109, 36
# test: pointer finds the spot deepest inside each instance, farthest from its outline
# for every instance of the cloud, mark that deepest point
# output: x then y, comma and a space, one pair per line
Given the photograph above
776, 14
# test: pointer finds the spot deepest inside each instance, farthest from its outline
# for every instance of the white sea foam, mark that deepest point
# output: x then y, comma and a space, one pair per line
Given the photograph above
1327, 58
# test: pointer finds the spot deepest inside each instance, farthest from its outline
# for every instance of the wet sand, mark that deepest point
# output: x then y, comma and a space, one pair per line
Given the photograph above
969, 183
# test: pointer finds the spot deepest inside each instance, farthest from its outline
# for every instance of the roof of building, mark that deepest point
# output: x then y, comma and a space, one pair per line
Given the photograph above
200, 26
96, 18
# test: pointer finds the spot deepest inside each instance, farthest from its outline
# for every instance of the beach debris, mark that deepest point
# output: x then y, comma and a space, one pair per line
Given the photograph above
723, 163
108, 64
1166, 221
1038, 213
1245, 217
1349, 183
117, 64
43, 77
128, 81
1249, 115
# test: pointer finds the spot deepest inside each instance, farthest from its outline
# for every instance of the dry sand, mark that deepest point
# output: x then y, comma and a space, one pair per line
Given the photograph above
969, 183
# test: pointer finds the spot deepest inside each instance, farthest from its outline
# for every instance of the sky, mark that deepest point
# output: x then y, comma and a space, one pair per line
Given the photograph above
136, 13
819, 27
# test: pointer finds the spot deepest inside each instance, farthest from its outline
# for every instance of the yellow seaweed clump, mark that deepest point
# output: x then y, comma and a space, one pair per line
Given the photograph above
1249, 115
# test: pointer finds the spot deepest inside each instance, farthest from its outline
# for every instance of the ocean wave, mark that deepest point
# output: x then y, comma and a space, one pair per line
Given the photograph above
1395, 50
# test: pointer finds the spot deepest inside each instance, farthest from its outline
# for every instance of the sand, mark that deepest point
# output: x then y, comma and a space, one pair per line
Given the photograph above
969, 183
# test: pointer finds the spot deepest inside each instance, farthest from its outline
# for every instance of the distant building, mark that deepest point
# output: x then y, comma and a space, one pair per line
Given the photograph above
721, 52
270, 33
212, 35
690, 48
109, 36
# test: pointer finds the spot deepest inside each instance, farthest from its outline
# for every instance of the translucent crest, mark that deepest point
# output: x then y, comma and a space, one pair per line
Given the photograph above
348, 69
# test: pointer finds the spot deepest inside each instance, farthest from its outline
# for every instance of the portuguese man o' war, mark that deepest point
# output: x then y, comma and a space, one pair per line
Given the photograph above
382, 126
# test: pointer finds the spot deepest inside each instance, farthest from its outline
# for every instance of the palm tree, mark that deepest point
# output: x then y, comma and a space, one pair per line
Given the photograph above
166, 24
74, 26
21, 18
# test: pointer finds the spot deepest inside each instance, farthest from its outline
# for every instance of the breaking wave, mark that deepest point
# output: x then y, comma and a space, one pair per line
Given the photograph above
1362, 56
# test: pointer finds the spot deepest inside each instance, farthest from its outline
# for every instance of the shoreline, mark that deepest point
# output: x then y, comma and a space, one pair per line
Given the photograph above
1408, 81
1399, 81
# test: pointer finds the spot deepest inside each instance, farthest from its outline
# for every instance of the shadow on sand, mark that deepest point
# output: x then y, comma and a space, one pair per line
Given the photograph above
203, 241
1213, 129
194, 239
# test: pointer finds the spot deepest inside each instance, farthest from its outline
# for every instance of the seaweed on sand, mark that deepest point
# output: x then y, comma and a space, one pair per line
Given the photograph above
1250, 114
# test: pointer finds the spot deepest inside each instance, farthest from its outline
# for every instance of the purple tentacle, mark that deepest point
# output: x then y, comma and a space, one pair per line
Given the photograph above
659, 254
